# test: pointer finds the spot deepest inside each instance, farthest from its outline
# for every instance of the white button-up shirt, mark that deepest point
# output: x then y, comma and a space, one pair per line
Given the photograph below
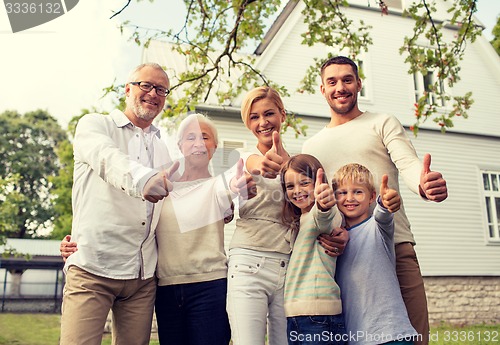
112, 224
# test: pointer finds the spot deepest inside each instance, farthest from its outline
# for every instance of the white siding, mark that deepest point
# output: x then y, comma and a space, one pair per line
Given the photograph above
451, 236
390, 84
391, 87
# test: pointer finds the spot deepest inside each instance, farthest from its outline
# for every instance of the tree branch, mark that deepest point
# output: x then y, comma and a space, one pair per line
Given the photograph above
120, 11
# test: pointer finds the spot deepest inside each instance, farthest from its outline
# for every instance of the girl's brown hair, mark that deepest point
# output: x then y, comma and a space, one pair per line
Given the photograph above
303, 164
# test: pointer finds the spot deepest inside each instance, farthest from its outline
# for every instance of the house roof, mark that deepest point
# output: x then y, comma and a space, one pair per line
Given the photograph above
275, 27
44, 254
33, 246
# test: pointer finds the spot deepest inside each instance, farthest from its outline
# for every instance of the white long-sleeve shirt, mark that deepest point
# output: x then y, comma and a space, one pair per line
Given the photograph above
112, 224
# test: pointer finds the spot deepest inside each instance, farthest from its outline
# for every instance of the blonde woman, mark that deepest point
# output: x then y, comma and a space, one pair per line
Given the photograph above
260, 248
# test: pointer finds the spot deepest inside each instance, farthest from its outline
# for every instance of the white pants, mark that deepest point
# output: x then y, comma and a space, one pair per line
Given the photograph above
255, 296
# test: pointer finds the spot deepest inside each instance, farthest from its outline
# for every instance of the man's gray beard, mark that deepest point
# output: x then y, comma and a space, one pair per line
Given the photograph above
140, 112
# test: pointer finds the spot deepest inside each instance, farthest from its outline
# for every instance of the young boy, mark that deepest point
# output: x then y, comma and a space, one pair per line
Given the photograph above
372, 304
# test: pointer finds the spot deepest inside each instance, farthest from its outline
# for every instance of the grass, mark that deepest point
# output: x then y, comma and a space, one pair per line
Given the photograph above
470, 335
35, 329
29, 329
43, 329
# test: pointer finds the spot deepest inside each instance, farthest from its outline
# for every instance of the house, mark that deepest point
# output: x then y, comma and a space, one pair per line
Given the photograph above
458, 241
31, 280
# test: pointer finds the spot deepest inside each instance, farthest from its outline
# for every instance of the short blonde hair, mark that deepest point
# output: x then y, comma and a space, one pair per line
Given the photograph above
201, 119
356, 173
257, 94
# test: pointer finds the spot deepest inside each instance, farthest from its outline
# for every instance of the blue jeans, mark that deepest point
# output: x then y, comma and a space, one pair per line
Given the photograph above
316, 329
193, 314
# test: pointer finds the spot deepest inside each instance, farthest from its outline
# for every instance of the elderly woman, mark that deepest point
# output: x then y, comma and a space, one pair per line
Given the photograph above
192, 265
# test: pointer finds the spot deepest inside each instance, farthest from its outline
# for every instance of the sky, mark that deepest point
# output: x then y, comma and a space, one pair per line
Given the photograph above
63, 65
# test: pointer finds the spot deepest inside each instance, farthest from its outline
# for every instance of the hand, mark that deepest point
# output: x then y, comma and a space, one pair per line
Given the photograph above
389, 197
272, 161
229, 214
243, 183
277, 147
159, 185
335, 242
323, 193
432, 184
67, 247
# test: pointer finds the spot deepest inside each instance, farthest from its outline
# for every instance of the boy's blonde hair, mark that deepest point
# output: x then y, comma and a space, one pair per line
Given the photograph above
254, 95
356, 173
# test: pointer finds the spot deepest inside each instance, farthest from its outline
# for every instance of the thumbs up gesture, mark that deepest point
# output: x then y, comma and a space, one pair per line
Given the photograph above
389, 197
243, 183
323, 193
432, 184
274, 158
278, 146
159, 185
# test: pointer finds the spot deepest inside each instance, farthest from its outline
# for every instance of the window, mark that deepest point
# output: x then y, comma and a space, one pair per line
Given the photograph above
491, 185
228, 146
394, 4
363, 70
225, 156
423, 83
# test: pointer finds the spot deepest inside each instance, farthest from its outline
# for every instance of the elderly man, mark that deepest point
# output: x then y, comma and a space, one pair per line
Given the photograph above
119, 178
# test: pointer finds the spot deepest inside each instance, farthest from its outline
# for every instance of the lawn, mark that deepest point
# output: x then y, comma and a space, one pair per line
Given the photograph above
470, 335
34, 329
43, 329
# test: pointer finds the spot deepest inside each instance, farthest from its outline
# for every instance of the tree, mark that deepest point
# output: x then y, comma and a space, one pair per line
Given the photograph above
63, 182
216, 31
10, 198
496, 36
27, 153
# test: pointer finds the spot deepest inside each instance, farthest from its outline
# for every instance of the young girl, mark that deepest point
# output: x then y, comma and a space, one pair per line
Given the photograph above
312, 297
260, 248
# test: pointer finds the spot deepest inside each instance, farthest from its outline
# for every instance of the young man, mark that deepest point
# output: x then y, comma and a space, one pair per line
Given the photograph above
118, 178
379, 142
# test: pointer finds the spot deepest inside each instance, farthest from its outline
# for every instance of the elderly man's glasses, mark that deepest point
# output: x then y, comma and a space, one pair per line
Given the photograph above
147, 87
